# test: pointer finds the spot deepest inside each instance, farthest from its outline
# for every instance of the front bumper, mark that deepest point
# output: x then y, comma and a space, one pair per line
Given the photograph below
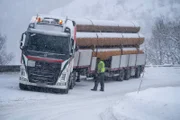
58, 85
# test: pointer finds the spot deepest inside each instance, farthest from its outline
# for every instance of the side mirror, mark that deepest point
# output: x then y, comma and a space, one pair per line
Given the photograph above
72, 41
67, 30
72, 45
21, 45
76, 48
22, 41
72, 50
71, 53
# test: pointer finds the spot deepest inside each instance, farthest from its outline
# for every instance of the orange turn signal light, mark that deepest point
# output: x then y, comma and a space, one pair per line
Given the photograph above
38, 19
60, 22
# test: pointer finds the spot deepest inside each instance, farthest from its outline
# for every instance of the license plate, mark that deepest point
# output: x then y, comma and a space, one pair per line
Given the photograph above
41, 84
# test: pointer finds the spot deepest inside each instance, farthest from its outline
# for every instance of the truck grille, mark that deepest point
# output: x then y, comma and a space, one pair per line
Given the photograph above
44, 72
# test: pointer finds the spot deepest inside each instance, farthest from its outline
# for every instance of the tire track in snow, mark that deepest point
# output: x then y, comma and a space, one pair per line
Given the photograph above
80, 100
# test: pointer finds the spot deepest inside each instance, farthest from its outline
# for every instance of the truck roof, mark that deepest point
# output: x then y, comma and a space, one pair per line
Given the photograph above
33, 19
48, 25
46, 32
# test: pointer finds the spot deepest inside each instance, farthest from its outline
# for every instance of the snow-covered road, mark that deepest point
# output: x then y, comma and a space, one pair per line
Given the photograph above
80, 103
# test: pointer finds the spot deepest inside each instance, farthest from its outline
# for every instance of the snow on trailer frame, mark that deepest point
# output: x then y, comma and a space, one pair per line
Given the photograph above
128, 59
105, 54
88, 25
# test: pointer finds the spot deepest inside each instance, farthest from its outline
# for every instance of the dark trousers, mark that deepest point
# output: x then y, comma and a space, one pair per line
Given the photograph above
99, 79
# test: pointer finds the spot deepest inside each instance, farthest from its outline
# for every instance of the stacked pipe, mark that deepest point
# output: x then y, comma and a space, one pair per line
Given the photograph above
107, 53
100, 33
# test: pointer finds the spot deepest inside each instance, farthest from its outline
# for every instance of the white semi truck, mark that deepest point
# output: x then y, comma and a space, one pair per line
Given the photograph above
56, 51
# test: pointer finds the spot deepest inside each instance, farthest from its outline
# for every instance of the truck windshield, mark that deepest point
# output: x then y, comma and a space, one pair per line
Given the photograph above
47, 43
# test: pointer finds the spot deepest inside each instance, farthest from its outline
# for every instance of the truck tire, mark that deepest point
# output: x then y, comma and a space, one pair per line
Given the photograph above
23, 87
72, 81
57, 90
127, 74
138, 72
62, 91
121, 75
66, 91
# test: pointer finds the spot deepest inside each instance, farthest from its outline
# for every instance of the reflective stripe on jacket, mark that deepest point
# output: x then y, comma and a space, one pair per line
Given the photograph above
101, 67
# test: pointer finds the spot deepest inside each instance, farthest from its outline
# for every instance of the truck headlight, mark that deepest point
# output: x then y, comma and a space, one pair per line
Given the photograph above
31, 63
23, 72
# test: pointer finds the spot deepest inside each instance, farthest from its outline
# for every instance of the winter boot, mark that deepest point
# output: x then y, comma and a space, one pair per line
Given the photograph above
102, 90
93, 89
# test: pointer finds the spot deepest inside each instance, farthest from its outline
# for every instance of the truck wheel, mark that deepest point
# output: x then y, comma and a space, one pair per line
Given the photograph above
138, 72
23, 87
56, 90
62, 91
121, 76
72, 78
66, 91
127, 74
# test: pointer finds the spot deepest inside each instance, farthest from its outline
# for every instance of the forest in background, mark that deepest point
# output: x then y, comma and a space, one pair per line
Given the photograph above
164, 45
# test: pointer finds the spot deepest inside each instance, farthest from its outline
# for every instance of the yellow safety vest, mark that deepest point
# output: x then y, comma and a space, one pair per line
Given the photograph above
101, 67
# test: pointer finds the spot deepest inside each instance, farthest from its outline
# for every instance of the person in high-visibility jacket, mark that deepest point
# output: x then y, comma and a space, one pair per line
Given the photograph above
100, 75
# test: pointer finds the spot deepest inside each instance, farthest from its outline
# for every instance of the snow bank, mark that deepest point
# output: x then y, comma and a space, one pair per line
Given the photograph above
150, 104
165, 65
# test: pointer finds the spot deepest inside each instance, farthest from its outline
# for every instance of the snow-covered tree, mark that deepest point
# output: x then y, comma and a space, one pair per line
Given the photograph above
4, 57
164, 45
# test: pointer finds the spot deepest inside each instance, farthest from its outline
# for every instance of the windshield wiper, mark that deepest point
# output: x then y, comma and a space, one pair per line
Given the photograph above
46, 52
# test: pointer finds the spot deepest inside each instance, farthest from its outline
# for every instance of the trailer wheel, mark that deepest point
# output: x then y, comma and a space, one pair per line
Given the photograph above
23, 87
138, 72
127, 74
121, 75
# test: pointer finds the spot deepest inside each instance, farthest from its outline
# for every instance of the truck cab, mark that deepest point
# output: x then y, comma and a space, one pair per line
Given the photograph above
48, 48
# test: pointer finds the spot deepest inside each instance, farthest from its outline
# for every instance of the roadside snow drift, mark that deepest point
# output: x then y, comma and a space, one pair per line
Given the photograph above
83, 104
150, 104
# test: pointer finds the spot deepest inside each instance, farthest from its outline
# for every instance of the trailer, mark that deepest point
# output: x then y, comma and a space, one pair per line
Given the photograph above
56, 51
